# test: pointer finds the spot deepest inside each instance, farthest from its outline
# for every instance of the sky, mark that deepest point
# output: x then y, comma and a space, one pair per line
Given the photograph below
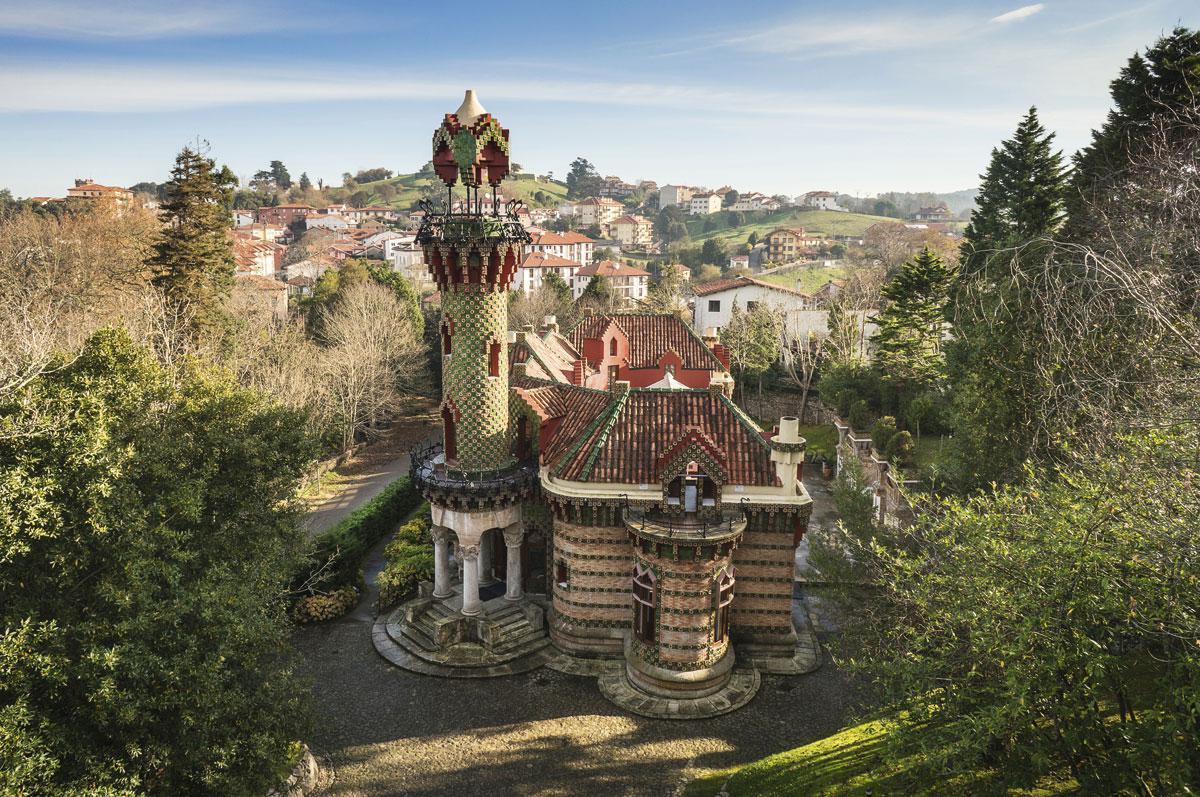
857, 96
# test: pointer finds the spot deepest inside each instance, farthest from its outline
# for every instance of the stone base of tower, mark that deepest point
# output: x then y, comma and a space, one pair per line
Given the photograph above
431, 635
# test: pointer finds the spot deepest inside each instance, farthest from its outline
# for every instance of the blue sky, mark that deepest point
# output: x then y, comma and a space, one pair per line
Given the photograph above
783, 97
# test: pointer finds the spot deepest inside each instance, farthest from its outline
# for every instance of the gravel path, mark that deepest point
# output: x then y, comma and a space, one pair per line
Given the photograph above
386, 731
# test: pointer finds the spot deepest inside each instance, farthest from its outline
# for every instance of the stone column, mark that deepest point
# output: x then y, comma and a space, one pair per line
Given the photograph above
485, 558
441, 562
513, 536
470, 557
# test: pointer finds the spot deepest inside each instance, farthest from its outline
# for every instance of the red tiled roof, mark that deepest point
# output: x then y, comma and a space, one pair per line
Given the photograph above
650, 337
716, 286
539, 259
546, 238
621, 438
607, 268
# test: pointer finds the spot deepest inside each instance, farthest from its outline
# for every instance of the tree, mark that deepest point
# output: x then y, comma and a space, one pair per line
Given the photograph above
752, 238
583, 180
1020, 206
730, 199
373, 175
1020, 195
599, 290
913, 323
1144, 95
147, 530
714, 252
193, 260
305, 183
1040, 632
753, 339
403, 291
555, 283
665, 296
279, 174
800, 357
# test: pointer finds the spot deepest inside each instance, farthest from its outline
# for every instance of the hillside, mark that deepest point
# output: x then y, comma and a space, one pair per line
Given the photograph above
824, 222
408, 188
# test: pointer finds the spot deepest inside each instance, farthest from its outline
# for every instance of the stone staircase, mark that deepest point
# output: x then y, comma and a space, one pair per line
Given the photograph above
436, 632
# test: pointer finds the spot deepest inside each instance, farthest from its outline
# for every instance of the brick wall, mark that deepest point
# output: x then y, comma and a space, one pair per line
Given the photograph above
596, 604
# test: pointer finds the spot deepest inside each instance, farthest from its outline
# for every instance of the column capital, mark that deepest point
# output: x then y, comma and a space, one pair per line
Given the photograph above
514, 534
440, 533
468, 553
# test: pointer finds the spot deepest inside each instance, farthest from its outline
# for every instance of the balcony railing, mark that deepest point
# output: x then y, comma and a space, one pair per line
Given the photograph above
464, 226
700, 526
430, 473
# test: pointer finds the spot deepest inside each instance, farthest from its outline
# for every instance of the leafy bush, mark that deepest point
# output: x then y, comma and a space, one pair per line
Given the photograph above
882, 432
318, 608
860, 415
409, 558
900, 449
345, 545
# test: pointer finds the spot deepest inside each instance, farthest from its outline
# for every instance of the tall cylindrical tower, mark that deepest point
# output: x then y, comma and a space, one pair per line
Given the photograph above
473, 250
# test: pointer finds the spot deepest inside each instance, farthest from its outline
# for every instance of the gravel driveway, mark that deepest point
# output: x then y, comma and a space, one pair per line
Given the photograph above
386, 731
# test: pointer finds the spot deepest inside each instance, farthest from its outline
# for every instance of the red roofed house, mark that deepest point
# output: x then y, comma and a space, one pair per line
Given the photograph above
633, 230
570, 245
534, 267
86, 189
262, 258
284, 214
629, 282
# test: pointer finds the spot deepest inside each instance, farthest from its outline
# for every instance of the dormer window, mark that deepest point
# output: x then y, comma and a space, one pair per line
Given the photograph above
692, 489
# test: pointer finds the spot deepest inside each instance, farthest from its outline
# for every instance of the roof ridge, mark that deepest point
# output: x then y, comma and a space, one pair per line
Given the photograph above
611, 418
578, 444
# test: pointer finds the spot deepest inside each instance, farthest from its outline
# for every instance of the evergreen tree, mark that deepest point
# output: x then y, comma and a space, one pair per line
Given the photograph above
583, 180
193, 261
305, 183
553, 282
279, 174
1148, 88
599, 289
1020, 197
913, 322
665, 296
1020, 202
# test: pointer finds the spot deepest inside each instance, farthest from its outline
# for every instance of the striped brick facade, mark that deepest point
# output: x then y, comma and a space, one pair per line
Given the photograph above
686, 612
593, 612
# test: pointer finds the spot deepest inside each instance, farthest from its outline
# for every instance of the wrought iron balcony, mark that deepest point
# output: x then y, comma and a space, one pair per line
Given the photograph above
460, 227
703, 527
478, 488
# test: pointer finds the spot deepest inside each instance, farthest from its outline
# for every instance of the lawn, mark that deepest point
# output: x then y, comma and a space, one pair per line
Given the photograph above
928, 453
851, 763
408, 190
810, 277
824, 222
822, 440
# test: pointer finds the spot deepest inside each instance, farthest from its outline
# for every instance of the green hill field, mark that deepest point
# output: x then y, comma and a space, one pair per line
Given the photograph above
408, 187
824, 222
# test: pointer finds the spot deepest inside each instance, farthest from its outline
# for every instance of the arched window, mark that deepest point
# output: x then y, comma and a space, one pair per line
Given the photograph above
493, 359
451, 434
643, 604
612, 348
722, 598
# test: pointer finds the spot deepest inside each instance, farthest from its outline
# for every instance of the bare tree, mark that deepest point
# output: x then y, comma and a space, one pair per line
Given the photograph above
800, 357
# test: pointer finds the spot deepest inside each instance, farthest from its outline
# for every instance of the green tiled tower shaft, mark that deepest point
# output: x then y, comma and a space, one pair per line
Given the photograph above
479, 320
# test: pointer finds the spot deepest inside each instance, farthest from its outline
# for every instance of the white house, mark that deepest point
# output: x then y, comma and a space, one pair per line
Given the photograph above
629, 282
704, 204
328, 221
535, 266
241, 218
600, 211
754, 201
632, 230
803, 314
821, 200
679, 195
570, 245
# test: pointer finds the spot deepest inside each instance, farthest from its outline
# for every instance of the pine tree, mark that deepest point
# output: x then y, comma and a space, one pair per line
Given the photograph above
1149, 87
305, 183
913, 322
279, 174
193, 262
665, 296
1021, 195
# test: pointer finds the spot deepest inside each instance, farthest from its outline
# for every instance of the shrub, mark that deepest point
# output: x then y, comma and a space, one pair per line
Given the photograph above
860, 415
348, 542
883, 432
318, 608
409, 561
900, 449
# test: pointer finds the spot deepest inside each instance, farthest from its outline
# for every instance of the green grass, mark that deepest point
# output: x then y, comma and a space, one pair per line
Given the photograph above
408, 190
824, 222
822, 439
851, 763
810, 277
928, 453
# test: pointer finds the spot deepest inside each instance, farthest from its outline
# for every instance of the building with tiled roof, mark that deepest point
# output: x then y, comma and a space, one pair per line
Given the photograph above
630, 283
578, 514
536, 265
570, 245
787, 244
632, 230
598, 211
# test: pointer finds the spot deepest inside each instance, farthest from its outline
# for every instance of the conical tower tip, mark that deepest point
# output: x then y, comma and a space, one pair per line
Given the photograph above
470, 110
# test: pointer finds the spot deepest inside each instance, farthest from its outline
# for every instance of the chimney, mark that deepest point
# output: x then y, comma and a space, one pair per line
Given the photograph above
619, 387
588, 312
716, 385
550, 324
519, 369
577, 372
710, 337
787, 451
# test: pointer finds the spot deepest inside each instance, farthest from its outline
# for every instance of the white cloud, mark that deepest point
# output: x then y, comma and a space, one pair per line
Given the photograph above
139, 19
155, 88
1017, 14
821, 36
